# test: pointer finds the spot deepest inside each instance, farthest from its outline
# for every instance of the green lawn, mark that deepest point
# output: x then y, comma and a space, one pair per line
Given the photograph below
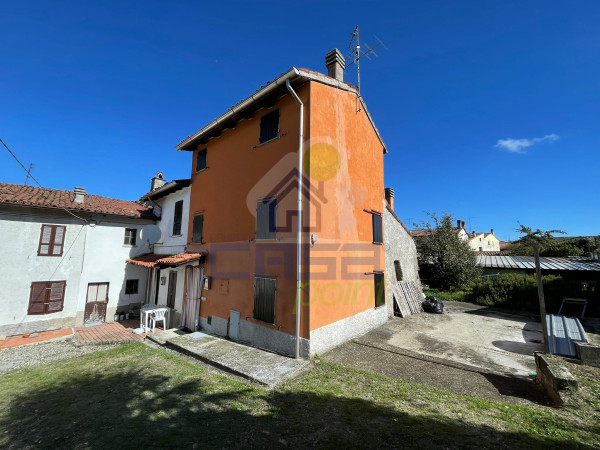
135, 397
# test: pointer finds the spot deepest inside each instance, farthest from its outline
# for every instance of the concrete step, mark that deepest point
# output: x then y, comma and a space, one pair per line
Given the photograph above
260, 366
162, 337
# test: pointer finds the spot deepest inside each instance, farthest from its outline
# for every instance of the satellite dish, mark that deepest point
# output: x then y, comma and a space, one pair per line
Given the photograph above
151, 234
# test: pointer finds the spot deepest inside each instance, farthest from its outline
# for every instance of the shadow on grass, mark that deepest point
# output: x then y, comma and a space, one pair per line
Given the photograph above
133, 410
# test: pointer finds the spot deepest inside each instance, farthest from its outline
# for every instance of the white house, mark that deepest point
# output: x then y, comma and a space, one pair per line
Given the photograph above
66, 253
174, 275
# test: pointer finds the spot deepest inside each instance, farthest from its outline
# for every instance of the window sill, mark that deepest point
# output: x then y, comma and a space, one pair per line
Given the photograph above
262, 322
175, 236
201, 170
378, 243
269, 141
129, 246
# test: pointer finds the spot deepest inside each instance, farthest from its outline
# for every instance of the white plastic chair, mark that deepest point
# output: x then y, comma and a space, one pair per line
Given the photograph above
157, 316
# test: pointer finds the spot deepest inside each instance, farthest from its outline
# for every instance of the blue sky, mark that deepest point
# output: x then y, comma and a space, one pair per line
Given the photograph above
490, 110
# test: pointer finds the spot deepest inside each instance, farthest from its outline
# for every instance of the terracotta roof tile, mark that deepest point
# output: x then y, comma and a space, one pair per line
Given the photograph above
22, 195
151, 259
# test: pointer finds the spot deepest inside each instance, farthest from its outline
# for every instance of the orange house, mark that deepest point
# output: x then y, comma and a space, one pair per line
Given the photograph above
302, 132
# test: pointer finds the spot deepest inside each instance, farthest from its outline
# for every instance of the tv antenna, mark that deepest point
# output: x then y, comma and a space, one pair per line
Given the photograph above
357, 54
29, 174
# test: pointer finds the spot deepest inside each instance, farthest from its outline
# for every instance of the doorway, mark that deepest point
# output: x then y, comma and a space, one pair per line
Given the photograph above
95, 304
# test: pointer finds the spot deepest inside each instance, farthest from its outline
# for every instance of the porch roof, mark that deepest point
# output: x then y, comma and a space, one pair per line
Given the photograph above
153, 260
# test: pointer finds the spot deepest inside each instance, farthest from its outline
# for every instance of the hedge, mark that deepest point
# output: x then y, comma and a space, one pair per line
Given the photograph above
518, 291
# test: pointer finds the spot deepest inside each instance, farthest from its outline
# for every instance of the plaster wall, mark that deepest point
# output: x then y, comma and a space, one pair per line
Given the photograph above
487, 243
170, 244
105, 256
21, 235
399, 246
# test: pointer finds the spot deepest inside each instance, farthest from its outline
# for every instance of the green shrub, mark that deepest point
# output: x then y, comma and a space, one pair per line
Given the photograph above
518, 291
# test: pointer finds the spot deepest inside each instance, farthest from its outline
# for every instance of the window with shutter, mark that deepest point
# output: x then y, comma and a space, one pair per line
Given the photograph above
198, 229
52, 238
379, 289
269, 126
177, 215
201, 160
264, 299
266, 219
377, 229
46, 297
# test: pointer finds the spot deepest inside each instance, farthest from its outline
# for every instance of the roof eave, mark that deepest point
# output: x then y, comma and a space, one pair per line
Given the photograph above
293, 73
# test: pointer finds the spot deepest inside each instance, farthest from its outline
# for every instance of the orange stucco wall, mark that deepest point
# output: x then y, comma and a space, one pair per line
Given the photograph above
239, 172
344, 164
341, 283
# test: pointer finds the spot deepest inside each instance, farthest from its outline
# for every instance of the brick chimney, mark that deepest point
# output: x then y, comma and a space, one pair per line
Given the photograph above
389, 197
79, 195
335, 63
157, 181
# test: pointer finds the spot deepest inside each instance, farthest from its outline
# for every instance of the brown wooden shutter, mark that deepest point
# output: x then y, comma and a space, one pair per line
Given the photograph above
45, 240
58, 241
37, 298
57, 296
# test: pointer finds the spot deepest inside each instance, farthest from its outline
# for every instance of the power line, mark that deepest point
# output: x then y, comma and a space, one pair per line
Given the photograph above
28, 172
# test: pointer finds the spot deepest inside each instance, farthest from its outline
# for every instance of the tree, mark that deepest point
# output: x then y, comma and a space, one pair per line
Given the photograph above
549, 244
444, 259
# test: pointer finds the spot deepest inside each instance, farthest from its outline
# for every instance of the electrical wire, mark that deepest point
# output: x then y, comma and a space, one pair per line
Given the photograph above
37, 182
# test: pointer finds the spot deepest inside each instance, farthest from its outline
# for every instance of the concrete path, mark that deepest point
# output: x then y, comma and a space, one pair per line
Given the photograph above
474, 336
470, 350
251, 363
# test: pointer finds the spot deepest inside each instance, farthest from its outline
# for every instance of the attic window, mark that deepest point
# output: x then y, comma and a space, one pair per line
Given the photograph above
269, 126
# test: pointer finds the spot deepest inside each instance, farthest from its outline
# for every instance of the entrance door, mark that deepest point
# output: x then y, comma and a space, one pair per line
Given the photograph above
172, 289
95, 304
234, 324
191, 308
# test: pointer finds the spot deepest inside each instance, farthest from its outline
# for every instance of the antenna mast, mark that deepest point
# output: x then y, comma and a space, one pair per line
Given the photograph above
357, 55
29, 174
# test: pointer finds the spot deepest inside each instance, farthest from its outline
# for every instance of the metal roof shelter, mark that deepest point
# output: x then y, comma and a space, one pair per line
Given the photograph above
546, 263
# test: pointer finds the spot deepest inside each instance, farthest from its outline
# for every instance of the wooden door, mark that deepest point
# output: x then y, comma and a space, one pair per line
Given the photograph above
95, 304
172, 289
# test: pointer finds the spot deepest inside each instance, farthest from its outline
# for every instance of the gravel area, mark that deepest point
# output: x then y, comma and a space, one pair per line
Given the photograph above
44, 352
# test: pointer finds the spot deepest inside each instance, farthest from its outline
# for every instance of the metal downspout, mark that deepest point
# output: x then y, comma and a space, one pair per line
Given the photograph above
299, 238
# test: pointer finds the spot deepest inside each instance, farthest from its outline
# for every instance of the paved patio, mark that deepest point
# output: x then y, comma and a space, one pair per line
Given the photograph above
110, 333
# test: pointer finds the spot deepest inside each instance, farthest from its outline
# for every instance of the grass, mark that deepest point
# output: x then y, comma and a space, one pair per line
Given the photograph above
135, 396
457, 295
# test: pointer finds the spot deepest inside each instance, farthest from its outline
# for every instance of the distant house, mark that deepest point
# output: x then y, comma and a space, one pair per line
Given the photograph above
67, 257
244, 209
174, 274
478, 242
484, 242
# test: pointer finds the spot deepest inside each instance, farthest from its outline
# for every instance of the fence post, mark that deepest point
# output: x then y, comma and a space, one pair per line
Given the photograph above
538, 272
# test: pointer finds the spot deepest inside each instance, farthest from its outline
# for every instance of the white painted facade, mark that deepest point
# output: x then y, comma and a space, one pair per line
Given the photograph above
93, 252
484, 242
170, 244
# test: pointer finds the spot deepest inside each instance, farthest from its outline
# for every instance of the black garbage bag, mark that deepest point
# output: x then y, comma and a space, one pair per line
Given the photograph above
432, 304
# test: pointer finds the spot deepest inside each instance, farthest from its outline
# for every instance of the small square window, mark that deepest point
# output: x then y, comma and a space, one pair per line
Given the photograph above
201, 160
131, 286
269, 126
130, 236
52, 240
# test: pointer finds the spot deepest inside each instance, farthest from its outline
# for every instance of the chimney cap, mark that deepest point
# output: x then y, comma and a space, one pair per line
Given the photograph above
335, 63
389, 192
79, 194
